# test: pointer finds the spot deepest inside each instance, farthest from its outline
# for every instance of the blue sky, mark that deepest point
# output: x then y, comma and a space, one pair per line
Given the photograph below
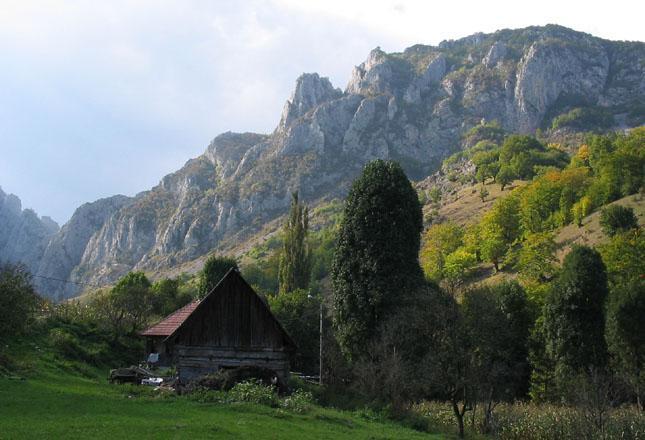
102, 98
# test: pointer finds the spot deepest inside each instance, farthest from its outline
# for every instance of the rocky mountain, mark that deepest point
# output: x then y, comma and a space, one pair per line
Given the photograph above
23, 235
411, 106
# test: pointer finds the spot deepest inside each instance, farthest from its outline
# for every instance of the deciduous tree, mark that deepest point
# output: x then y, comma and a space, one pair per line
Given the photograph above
617, 218
213, 271
18, 300
439, 241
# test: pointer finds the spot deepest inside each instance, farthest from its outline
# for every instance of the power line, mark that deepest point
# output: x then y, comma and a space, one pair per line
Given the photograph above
67, 281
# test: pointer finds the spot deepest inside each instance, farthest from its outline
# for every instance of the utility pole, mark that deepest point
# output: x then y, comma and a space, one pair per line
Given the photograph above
320, 355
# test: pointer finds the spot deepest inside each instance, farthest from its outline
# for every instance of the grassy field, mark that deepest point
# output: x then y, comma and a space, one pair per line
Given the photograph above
53, 403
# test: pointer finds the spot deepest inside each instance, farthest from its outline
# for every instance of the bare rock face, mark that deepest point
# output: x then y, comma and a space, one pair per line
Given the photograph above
495, 54
23, 235
65, 249
311, 90
227, 150
412, 107
376, 75
556, 69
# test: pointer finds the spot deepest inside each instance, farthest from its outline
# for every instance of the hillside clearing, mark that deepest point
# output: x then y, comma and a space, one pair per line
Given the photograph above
465, 205
590, 233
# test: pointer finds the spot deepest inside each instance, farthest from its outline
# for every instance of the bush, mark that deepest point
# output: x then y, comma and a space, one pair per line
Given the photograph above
226, 379
299, 402
616, 218
584, 118
254, 392
67, 345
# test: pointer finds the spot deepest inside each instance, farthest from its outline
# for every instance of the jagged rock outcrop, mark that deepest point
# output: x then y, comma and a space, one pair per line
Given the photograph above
23, 235
65, 249
557, 69
495, 54
411, 106
311, 90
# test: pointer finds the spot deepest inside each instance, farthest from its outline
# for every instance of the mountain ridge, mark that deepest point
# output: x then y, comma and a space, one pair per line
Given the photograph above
411, 106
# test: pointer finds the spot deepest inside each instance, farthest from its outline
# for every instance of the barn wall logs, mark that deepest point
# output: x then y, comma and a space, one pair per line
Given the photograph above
196, 361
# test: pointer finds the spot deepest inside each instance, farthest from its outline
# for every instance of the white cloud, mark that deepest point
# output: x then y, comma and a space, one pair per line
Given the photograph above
426, 21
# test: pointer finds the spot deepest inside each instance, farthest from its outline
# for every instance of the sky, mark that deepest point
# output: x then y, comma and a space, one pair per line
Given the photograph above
104, 98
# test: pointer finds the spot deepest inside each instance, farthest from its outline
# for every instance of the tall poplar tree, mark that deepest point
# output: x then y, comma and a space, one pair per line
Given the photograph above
295, 260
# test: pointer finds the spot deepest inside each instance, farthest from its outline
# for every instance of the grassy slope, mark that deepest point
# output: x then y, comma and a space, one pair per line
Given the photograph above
590, 234
54, 401
466, 207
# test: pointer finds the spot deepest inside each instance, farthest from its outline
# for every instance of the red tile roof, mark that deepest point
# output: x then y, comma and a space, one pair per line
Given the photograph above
170, 323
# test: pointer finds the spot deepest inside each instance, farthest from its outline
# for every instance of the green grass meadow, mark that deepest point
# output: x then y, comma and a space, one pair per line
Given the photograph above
58, 404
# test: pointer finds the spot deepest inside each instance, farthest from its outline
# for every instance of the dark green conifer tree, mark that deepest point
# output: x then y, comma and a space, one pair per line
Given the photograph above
574, 315
375, 265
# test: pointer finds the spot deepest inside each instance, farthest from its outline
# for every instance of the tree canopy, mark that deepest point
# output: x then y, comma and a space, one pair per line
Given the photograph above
574, 313
213, 271
616, 218
376, 259
295, 259
18, 299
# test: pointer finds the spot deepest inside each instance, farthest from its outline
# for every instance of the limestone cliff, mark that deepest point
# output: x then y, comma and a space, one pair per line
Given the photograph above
411, 106
23, 235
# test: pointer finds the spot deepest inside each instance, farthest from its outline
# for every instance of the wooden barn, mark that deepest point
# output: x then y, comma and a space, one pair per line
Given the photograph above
230, 327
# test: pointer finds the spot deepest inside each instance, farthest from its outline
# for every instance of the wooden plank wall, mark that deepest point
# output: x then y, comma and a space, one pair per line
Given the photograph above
195, 361
233, 317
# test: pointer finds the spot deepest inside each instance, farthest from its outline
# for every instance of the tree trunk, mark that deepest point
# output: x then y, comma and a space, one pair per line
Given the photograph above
488, 418
460, 419
472, 416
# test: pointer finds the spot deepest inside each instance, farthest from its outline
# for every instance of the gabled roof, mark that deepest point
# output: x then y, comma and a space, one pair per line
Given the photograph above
171, 323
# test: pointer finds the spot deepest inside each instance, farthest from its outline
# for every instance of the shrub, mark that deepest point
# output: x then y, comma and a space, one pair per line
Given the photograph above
299, 402
254, 392
226, 379
616, 218
66, 344
584, 118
